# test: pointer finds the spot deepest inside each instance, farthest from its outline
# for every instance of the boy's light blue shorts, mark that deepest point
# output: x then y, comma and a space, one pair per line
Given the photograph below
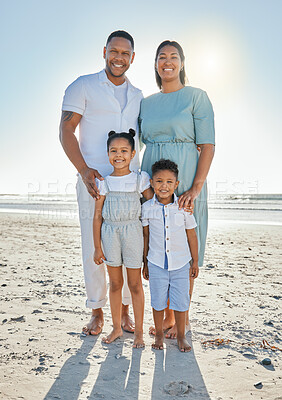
166, 284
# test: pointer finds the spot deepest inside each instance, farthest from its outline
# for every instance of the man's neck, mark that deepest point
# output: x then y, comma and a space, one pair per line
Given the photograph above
116, 80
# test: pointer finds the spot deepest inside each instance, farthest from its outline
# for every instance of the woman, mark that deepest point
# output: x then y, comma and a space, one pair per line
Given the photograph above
174, 123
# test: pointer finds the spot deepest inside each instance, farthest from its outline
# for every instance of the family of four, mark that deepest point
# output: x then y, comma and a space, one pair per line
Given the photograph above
177, 127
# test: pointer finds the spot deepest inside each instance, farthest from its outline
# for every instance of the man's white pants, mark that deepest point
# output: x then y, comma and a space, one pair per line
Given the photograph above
94, 275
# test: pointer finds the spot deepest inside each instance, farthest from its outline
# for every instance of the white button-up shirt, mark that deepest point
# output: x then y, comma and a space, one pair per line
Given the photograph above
93, 97
167, 233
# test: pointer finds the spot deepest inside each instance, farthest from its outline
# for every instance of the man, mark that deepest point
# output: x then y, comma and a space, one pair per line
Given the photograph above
99, 103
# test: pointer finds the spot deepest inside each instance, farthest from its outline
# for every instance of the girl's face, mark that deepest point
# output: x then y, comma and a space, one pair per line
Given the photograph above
120, 153
169, 63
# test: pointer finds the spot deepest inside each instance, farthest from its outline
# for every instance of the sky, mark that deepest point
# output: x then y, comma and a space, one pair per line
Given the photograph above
233, 52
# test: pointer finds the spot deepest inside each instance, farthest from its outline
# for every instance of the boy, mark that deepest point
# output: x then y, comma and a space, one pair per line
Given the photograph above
170, 244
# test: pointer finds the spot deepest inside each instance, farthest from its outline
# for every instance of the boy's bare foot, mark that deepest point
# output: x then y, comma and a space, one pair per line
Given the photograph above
159, 342
95, 325
183, 345
126, 322
167, 324
172, 333
116, 333
138, 340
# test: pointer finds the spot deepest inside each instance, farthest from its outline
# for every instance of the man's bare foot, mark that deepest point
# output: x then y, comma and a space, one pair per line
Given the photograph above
159, 342
116, 333
167, 324
183, 345
126, 322
95, 325
138, 340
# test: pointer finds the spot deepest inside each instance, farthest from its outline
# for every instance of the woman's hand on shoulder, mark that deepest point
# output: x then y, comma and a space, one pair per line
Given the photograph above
186, 200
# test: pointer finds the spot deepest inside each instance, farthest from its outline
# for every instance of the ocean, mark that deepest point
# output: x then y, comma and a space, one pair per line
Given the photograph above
249, 208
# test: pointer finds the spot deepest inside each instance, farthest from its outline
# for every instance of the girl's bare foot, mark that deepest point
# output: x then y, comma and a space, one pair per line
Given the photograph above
183, 345
126, 321
159, 342
138, 340
94, 326
116, 333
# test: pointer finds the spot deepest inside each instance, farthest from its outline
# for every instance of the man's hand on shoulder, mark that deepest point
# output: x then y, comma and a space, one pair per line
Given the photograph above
88, 176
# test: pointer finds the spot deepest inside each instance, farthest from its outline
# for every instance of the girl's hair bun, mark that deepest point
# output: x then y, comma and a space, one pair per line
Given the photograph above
132, 132
111, 133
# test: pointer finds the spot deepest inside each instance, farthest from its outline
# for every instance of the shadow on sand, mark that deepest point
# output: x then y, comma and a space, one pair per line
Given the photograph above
170, 374
74, 371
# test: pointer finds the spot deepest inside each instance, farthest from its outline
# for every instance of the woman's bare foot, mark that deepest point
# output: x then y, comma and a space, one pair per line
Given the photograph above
172, 333
115, 334
167, 324
126, 322
159, 342
95, 325
183, 345
138, 340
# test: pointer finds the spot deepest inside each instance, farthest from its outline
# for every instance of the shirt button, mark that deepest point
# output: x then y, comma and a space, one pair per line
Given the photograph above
165, 215
167, 251
166, 226
167, 238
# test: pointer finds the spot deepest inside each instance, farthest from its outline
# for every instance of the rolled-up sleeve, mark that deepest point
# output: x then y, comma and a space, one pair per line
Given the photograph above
190, 221
74, 98
144, 217
203, 116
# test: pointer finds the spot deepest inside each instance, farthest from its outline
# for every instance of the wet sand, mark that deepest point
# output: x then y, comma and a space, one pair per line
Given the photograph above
43, 356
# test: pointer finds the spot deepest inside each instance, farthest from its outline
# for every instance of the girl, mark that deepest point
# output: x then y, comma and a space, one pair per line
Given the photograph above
118, 229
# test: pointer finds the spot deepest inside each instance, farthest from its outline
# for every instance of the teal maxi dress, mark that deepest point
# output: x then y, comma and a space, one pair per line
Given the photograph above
171, 125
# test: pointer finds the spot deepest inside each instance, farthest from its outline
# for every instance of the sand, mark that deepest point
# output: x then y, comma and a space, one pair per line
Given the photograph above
44, 356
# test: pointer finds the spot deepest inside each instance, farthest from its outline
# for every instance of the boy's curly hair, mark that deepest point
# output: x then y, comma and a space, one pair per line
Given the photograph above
167, 165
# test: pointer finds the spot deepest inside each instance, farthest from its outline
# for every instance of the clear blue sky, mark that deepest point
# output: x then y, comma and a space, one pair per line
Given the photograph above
233, 51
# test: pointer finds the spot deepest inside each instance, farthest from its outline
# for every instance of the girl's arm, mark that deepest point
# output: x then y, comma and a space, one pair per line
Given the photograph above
193, 244
186, 200
97, 223
145, 252
148, 193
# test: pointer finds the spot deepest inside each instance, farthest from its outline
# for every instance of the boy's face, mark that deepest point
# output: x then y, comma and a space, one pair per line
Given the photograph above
164, 183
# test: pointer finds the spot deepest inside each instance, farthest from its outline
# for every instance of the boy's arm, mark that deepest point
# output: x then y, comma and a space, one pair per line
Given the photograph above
97, 223
193, 244
145, 252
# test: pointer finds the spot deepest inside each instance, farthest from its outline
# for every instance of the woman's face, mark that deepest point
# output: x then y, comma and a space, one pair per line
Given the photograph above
169, 64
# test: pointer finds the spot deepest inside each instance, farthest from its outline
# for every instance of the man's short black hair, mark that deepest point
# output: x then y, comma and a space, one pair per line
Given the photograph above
166, 165
121, 34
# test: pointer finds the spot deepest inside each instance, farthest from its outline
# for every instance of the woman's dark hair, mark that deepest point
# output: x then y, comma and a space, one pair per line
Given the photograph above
182, 74
121, 34
125, 135
165, 165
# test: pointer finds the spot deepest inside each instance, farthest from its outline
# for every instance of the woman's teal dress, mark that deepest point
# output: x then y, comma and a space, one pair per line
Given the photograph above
171, 125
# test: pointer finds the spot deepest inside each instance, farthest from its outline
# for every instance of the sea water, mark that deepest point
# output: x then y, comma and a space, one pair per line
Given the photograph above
250, 208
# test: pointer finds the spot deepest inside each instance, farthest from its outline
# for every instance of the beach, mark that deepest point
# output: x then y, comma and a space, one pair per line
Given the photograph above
236, 303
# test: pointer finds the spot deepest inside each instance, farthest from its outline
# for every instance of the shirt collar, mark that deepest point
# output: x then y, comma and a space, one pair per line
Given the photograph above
155, 200
104, 79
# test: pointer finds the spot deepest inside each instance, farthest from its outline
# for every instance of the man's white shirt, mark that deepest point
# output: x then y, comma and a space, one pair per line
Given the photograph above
93, 97
167, 233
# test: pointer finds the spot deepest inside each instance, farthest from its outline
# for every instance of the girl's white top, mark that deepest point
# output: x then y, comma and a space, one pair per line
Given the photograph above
126, 183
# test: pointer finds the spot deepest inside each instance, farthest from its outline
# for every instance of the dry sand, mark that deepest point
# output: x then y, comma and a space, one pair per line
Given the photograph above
43, 355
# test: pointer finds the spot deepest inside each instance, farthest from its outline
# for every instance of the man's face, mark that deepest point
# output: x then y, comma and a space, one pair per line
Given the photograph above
118, 56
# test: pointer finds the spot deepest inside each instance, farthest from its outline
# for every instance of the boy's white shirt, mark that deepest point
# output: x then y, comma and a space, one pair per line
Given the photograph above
167, 233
